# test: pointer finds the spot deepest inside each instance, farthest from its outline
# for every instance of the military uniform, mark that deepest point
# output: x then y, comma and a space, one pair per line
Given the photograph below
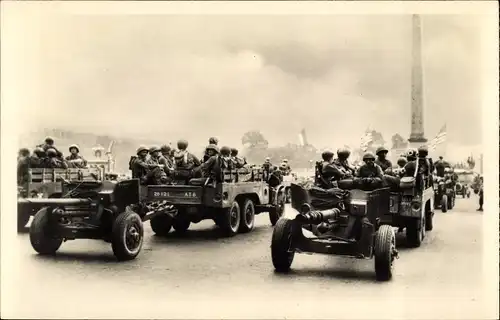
80, 163
384, 164
370, 171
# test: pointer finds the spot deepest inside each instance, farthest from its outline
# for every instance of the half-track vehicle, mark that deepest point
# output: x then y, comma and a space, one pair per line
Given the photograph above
232, 203
336, 222
88, 207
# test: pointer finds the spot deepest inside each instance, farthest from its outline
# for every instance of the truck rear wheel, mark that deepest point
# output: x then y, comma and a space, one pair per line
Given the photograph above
444, 203
277, 211
282, 248
41, 236
181, 224
385, 245
161, 225
415, 233
247, 222
128, 235
229, 220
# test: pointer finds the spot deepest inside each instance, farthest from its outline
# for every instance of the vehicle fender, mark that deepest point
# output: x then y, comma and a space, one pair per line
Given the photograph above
289, 213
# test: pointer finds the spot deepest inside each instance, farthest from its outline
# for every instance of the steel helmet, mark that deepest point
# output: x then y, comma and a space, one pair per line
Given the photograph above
154, 149
74, 146
51, 152
182, 144
141, 149
368, 156
411, 153
268, 159
381, 149
212, 147
225, 151
39, 151
213, 140
402, 161
49, 140
343, 153
283, 165
165, 148
234, 151
423, 151
326, 155
24, 151
285, 160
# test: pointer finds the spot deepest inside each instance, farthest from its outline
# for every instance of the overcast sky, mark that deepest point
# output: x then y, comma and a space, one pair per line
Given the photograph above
197, 76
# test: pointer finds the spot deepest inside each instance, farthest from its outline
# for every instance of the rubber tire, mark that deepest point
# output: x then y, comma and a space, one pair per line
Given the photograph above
282, 241
277, 212
246, 226
414, 236
429, 223
444, 203
224, 221
42, 243
181, 225
161, 225
385, 243
120, 226
452, 202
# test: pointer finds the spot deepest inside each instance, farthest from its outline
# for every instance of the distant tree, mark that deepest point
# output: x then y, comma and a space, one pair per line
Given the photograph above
252, 139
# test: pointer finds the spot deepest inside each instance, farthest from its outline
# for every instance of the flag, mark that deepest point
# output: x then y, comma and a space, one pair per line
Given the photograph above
439, 139
365, 140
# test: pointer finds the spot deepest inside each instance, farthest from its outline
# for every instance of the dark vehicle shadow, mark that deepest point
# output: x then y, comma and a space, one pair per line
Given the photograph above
207, 234
81, 257
343, 274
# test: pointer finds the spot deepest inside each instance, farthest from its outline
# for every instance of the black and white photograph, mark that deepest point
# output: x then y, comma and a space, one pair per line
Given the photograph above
281, 160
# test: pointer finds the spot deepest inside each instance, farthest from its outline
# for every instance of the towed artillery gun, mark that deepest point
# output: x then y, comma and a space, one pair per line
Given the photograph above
336, 222
232, 204
47, 183
88, 207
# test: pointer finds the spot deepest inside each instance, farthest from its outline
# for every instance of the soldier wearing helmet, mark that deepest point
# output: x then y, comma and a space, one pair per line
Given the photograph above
325, 171
183, 159
238, 162
49, 144
212, 169
53, 161
440, 166
369, 169
23, 165
75, 160
343, 169
147, 170
212, 141
165, 159
425, 165
382, 160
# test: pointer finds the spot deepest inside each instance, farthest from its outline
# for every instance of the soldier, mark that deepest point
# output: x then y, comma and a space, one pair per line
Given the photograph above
183, 159
481, 194
23, 165
145, 169
440, 166
154, 153
369, 169
212, 141
225, 153
238, 162
75, 160
53, 161
49, 144
325, 170
288, 168
166, 159
382, 161
212, 168
345, 170
411, 165
402, 162
38, 158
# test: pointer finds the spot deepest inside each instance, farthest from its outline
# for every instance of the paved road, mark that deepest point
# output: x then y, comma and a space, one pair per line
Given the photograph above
205, 276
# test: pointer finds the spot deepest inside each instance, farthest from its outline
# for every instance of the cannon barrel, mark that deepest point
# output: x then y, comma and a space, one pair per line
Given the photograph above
54, 201
318, 216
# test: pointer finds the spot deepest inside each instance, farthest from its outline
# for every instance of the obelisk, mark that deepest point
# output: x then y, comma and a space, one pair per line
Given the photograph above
417, 137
